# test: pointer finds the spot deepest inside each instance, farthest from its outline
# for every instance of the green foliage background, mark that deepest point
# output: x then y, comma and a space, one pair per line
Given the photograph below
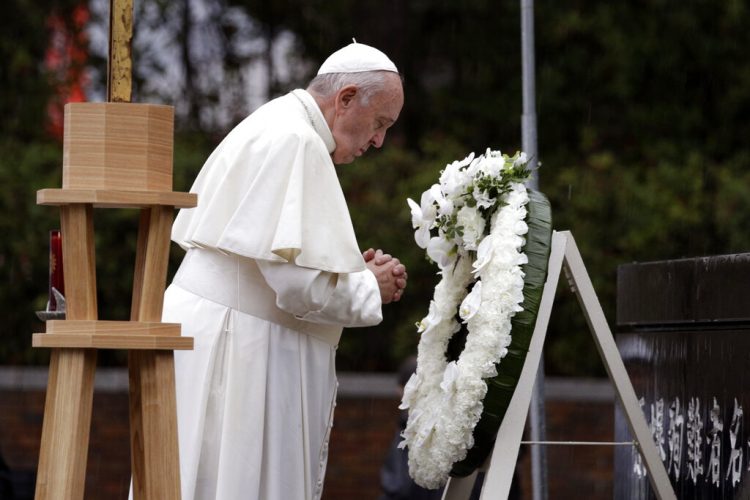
643, 140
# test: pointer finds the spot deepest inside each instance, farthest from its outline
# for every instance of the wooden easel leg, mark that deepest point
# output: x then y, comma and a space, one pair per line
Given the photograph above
67, 422
153, 422
70, 389
153, 408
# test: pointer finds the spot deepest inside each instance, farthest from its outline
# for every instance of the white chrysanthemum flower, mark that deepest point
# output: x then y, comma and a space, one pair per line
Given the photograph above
473, 225
491, 165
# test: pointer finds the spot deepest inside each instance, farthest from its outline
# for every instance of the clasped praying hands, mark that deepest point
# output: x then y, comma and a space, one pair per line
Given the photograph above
389, 272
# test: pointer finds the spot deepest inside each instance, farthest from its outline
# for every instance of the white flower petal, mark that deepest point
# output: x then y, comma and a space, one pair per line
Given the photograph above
450, 375
473, 225
471, 303
484, 254
422, 236
441, 251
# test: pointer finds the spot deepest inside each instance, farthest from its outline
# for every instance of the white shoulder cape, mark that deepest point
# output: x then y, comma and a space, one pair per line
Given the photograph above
270, 191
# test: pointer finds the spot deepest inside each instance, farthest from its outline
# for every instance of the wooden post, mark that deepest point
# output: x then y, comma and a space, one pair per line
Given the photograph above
120, 62
70, 389
153, 407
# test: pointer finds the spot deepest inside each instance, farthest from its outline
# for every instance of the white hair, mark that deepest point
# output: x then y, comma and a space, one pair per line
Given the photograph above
368, 82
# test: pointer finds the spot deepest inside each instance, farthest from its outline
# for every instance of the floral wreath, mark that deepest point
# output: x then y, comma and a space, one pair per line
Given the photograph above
456, 406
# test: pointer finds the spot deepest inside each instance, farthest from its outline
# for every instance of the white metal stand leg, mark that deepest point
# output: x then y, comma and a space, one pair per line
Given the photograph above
581, 285
502, 462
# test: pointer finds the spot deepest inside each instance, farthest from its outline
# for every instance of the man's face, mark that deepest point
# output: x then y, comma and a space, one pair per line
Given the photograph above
356, 127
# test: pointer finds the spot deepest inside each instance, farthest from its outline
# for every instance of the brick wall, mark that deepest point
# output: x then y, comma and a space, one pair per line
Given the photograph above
366, 419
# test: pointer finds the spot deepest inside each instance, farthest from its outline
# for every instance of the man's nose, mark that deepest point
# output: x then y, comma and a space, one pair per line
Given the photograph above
378, 139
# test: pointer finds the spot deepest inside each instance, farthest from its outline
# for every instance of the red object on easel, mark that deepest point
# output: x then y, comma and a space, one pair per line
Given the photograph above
56, 277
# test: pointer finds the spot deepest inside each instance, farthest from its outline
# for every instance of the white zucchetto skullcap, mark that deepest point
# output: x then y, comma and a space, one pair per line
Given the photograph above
356, 58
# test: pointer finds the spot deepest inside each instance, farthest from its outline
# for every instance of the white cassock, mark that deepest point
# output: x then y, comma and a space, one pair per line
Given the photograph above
271, 275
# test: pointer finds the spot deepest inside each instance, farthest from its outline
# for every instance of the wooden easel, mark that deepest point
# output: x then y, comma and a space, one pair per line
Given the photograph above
116, 154
564, 256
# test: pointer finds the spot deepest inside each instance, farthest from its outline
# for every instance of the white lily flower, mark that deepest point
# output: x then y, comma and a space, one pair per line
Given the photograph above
423, 217
422, 233
471, 303
422, 236
410, 390
427, 204
431, 320
450, 375
474, 163
445, 206
484, 254
466, 161
520, 160
441, 251
455, 178
417, 218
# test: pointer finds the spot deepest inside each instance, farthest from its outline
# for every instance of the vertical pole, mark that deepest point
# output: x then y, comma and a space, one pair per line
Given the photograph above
528, 118
529, 145
120, 62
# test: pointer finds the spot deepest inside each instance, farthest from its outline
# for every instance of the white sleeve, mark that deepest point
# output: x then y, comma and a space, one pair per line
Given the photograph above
345, 299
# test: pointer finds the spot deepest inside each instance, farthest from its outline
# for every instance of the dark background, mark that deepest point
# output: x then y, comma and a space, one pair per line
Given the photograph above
643, 126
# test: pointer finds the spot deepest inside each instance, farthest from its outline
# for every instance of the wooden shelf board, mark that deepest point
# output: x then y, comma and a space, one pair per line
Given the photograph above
116, 199
97, 334
111, 341
104, 327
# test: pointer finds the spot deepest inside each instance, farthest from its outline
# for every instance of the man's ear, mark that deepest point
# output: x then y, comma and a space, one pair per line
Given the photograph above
345, 96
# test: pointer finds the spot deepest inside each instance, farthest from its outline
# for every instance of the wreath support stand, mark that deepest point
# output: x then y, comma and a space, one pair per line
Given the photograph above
564, 255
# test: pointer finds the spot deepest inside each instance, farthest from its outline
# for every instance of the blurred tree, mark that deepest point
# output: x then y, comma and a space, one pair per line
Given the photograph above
642, 130
29, 160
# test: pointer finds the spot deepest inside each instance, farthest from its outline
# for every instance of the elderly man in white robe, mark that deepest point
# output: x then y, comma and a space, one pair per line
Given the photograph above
271, 275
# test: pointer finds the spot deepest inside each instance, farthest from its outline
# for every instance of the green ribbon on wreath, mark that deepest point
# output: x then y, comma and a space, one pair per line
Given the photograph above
500, 388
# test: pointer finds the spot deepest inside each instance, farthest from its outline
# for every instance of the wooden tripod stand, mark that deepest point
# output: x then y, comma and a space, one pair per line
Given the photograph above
116, 155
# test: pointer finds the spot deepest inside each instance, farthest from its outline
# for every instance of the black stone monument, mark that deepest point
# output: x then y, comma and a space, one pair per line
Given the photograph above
683, 330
